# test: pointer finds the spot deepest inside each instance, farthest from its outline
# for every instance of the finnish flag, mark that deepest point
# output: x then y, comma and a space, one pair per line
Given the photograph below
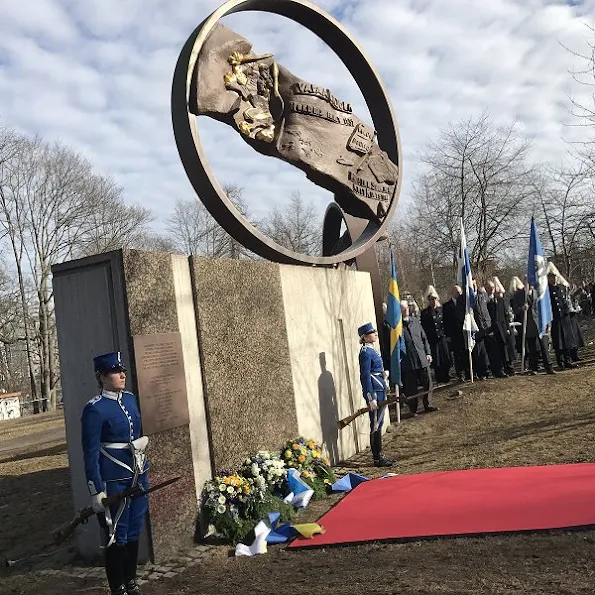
465, 280
537, 278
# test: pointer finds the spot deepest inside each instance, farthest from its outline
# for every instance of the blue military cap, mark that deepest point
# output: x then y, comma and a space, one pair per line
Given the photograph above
366, 329
108, 362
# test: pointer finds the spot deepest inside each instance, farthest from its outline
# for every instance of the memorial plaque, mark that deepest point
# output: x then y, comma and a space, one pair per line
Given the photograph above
161, 381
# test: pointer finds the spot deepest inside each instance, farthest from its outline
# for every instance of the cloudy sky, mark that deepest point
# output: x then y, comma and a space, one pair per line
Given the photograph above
97, 76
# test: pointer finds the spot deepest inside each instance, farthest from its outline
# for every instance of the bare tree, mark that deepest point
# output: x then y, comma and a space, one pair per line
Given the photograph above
480, 172
192, 230
111, 224
295, 227
13, 225
567, 214
583, 108
53, 206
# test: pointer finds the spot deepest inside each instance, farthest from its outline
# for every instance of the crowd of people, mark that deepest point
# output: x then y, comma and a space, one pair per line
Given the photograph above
436, 346
500, 319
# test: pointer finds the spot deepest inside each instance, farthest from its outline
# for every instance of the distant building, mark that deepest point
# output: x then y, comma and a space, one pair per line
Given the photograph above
10, 406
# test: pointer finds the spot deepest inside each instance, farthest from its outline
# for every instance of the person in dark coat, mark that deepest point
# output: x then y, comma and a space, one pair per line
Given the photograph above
574, 310
536, 345
563, 337
454, 333
432, 323
415, 362
500, 362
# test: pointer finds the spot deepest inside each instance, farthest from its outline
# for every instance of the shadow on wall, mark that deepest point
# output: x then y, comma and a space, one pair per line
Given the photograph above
327, 401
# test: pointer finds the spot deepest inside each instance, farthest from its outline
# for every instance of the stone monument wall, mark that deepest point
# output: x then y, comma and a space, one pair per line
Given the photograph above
323, 309
227, 357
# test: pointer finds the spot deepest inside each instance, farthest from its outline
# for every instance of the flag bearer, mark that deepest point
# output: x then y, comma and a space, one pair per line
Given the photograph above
114, 457
374, 383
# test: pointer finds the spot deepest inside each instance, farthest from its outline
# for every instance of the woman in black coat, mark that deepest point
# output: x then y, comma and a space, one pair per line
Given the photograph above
433, 325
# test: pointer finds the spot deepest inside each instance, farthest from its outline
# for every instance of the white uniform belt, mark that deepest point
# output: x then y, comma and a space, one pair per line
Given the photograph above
137, 447
378, 380
118, 445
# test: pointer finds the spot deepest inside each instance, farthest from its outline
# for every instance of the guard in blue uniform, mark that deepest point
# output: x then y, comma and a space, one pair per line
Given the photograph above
114, 457
374, 387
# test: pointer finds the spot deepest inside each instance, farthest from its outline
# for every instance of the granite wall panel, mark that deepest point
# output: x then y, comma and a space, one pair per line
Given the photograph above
245, 357
151, 305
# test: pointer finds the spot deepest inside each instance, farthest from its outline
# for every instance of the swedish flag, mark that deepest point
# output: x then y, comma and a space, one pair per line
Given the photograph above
394, 320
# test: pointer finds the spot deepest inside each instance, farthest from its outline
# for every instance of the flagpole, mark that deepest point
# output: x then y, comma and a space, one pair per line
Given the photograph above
524, 333
470, 356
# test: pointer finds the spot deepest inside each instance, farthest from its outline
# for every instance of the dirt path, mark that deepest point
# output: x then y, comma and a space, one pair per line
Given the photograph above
38, 440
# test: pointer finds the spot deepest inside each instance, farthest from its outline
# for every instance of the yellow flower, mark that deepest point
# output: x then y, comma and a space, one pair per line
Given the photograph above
246, 490
315, 454
303, 451
301, 458
305, 474
295, 446
310, 444
288, 454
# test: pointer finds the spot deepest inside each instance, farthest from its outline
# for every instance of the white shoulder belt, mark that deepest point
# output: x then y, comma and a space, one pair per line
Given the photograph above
138, 448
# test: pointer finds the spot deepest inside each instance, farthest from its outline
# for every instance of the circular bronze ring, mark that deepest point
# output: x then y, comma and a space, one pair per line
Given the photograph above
200, 174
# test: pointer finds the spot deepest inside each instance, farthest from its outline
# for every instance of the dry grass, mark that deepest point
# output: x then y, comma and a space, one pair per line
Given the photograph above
509, 422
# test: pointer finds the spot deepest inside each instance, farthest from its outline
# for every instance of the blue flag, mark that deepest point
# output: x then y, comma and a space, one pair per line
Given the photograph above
537, 279
394, 320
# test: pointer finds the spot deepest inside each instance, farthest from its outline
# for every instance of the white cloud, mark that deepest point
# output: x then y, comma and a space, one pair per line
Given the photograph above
98, 77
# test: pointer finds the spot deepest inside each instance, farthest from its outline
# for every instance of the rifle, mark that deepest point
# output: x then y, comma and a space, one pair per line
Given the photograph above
84, 514
342, 423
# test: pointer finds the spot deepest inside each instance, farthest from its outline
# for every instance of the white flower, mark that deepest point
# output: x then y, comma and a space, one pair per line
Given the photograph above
221, 509
221, 499
255, 470
222, 487
230, 490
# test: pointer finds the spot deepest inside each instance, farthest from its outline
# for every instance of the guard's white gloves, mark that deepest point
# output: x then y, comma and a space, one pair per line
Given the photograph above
97, 502
373, 404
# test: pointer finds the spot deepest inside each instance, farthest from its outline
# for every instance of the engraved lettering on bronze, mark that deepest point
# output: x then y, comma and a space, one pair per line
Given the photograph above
362, 139
308, 109
369, 189
322, 93
161, 381
282, 116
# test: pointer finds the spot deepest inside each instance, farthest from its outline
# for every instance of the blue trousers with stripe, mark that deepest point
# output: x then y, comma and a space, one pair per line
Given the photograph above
130, 523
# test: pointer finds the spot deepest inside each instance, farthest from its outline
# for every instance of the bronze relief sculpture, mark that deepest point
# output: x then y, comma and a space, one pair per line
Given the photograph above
300, 122
283, 116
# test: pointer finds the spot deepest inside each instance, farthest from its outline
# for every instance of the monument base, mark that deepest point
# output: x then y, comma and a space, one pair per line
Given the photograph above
252, 354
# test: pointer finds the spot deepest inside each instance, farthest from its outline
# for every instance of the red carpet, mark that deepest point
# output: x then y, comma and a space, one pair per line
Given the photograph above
461, 503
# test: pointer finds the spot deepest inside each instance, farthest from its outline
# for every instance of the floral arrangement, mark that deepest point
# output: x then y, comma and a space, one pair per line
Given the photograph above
303, 454
231, 494
306, 456
234, 502
266, 469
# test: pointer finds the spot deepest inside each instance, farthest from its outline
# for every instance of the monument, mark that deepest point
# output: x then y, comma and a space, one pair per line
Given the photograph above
301, 122
221, 353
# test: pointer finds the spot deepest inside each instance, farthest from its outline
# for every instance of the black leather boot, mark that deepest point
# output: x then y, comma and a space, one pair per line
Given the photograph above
379, 459
374, 446
115, 558
132, 587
